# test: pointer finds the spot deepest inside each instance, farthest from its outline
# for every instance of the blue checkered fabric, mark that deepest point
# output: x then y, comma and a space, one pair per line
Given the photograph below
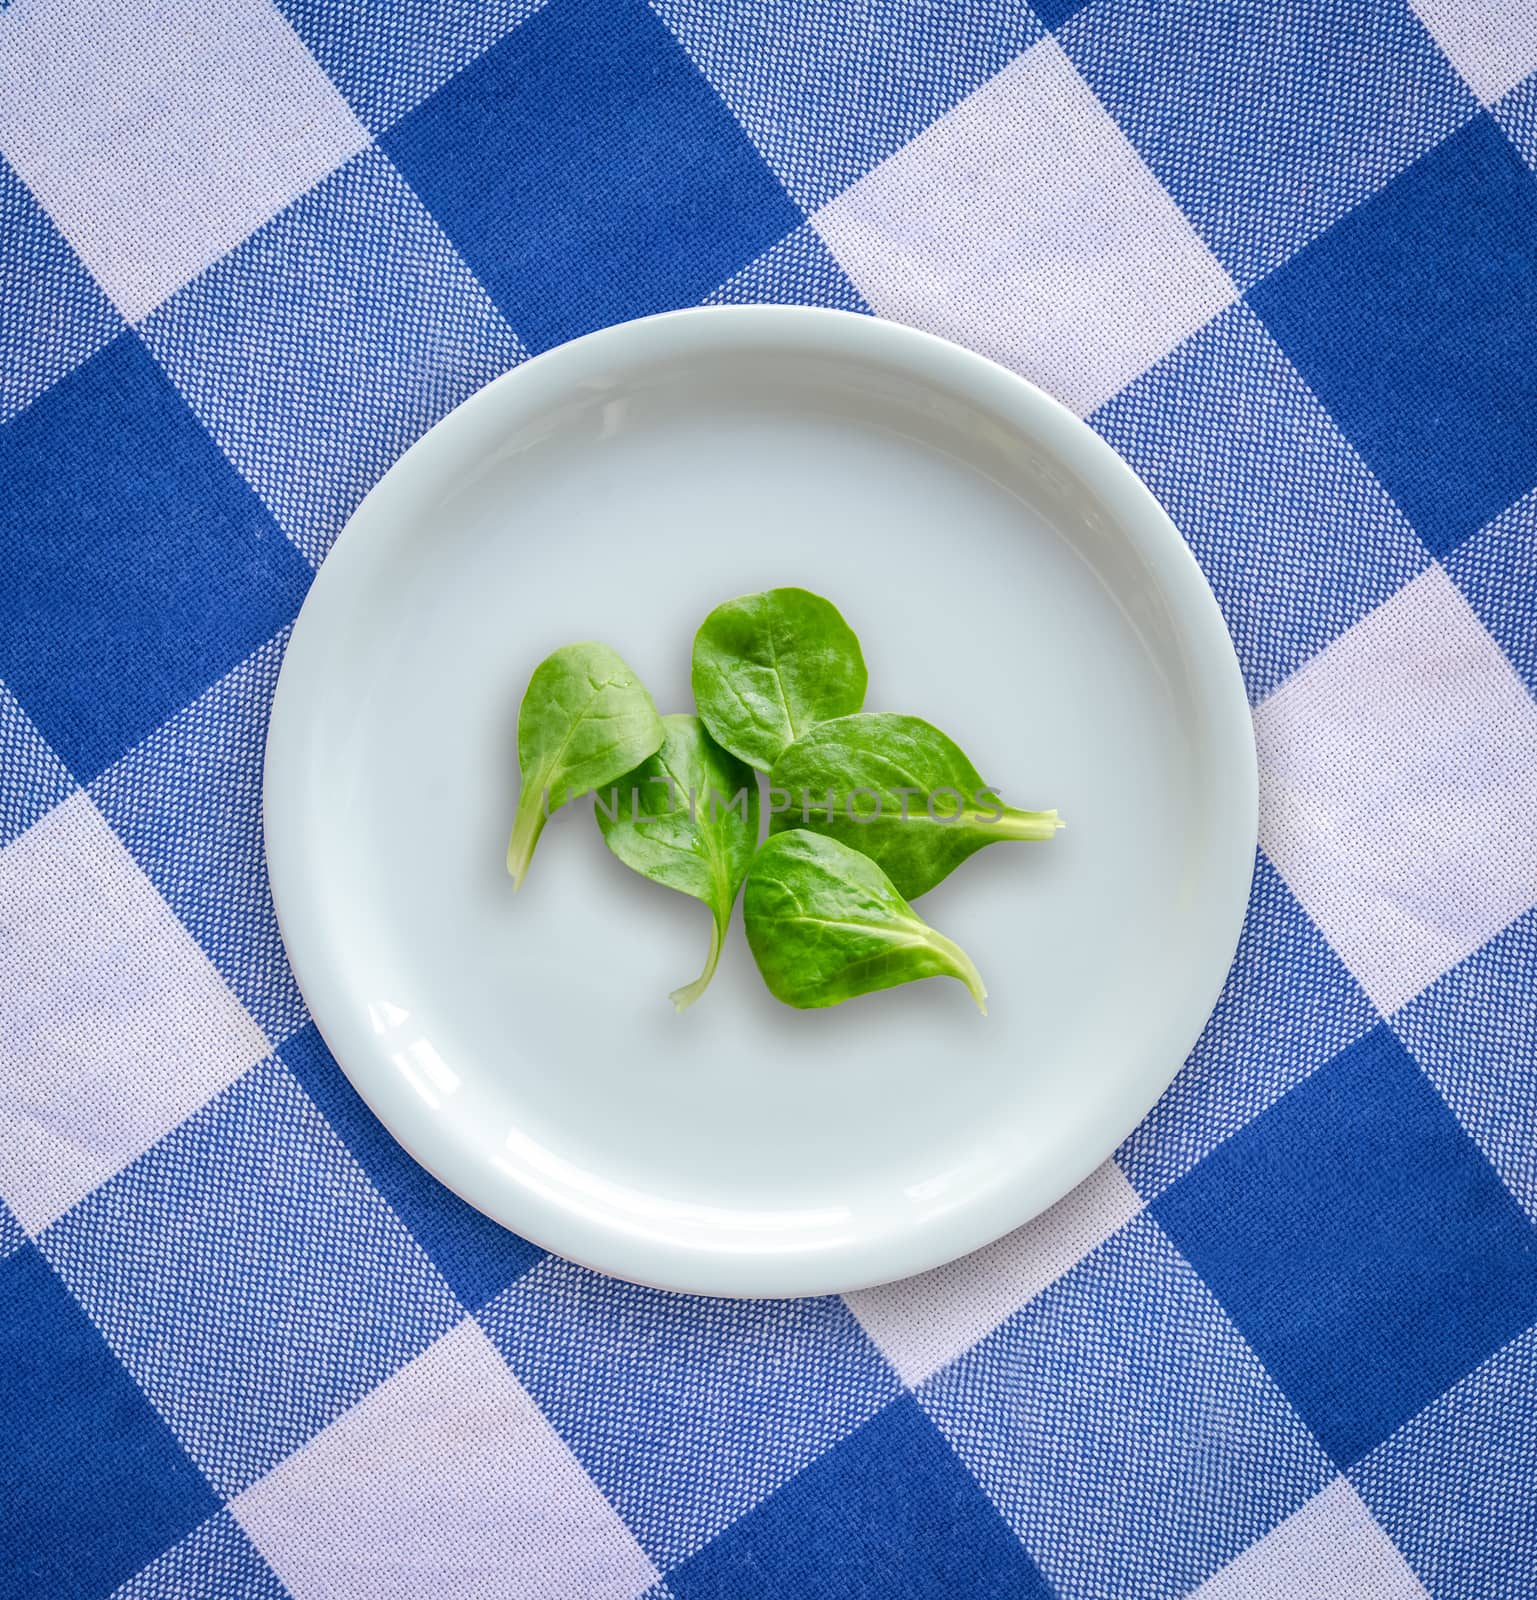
1284, 258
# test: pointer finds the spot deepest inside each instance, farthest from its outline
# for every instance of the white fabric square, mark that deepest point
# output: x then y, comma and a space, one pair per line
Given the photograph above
1024, 225
1398, 789
114, 1025
1329, 1549
923, 1323
159, 136
445, 1483
1492, 43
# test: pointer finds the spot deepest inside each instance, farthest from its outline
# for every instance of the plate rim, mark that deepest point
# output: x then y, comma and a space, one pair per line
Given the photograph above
1225, 718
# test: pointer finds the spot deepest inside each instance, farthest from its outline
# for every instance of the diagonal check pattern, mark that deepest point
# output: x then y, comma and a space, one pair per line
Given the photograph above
1285, 260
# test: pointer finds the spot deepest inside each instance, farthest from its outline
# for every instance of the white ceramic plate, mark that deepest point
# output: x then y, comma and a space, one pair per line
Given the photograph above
1011, 580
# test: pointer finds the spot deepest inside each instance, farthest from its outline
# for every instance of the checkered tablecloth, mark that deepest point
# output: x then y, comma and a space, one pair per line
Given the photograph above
1283, 255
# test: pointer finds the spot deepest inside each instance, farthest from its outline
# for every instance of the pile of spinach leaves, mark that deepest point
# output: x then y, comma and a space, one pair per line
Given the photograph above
868, 810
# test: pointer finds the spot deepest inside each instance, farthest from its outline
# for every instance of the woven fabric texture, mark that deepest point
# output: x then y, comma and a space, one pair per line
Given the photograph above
1282, 254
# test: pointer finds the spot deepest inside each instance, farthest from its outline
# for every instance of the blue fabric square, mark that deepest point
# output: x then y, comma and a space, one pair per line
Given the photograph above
477, 1257
828, 90
686, 1412
1296, 536
1361, 1242
328, 342
1123, 1427
32, 778
187, 803
1414, 320
124, 602
1497, 572
250, 1277
1474, 1031
1456, 1488
589, 173
1288, 1006
1055, 12
799, 271
214, 1562
92, 1483
387, 56
52, 313
1268, 122
888, 1514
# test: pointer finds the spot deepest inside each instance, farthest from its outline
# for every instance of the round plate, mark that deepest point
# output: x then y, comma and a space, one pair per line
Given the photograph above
1011, 580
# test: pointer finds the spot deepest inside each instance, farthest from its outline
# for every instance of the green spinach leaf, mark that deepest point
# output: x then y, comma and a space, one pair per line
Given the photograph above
769, 667
826, 924
586, 720
901, 792
687, 818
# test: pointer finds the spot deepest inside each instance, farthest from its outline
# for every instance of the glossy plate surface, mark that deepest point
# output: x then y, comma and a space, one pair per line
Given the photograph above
1011, 580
